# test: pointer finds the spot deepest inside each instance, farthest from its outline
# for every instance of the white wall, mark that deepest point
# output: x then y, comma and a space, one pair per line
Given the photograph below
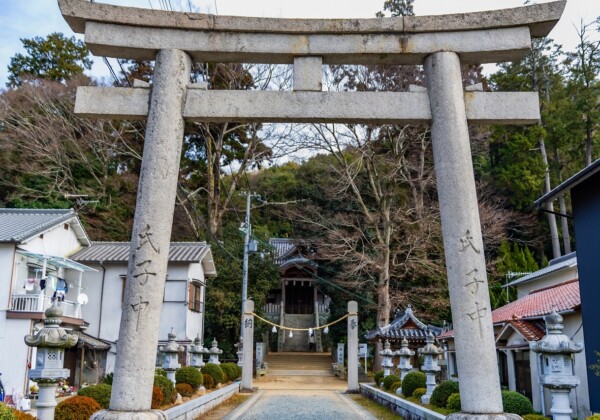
547, 281
57, 241
14, 353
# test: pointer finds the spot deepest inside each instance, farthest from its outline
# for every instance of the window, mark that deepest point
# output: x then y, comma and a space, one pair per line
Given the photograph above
195, 297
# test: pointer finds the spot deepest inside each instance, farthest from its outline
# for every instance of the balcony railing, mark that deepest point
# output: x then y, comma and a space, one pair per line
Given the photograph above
39, 303
272, 309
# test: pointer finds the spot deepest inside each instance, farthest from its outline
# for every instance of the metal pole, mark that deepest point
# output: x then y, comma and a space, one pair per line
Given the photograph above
245, 265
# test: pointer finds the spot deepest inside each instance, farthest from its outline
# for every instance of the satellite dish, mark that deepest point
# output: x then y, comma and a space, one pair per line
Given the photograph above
82, 299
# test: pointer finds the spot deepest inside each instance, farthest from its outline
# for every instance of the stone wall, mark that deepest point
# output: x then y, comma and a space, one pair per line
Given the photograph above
192, 409
406, 409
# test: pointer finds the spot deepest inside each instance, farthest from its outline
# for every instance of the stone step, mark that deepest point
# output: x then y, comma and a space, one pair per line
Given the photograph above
302, 372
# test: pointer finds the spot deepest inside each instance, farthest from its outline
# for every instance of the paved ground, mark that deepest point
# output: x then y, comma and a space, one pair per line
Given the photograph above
288, 404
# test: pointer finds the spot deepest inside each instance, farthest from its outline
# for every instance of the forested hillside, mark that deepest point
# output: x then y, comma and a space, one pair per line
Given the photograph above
364, 197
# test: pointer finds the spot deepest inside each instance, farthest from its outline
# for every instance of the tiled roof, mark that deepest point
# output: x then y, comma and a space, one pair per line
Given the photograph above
282, 246
287, 253
18, 225
562, 263
529, 330
405, 325
119, 252
562, 297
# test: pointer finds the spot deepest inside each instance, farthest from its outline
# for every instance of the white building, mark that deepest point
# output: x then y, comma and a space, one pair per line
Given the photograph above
517, 323
46, 255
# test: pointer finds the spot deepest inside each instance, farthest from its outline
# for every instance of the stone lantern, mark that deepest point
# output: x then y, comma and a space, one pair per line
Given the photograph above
557, 352
405, 354
171, 351
240, 352
387, 362
430, 352
214, 352
51, 342
196, 352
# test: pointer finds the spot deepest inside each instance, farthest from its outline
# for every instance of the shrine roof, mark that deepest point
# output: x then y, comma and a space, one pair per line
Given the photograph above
405, 325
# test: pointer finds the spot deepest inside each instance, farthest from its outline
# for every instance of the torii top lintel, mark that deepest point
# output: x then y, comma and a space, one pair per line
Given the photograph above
480, 37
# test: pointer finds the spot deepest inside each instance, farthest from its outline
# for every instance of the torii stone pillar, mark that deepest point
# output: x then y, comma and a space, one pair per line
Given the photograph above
463, 243
353, 347
248, 340
146, 274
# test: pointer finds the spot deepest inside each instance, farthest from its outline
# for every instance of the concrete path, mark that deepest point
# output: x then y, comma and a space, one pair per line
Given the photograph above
288, 404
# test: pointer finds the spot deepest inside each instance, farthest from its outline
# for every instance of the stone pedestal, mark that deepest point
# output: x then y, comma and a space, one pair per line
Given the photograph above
46, 401
353, 346
463, 244
248, 329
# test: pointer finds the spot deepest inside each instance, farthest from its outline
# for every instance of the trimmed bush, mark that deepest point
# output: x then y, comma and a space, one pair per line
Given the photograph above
100, 392
419, 392
161, 372
378, 377
439, 396
189, 375
76, 408
167, 388
594, 417
209, 382
232, 370
21, 415
454, 402
516, 403
412, 381
185, 390
395, 386
107, 379
157, 397
6, 413
215, 371
540, 417
389, 380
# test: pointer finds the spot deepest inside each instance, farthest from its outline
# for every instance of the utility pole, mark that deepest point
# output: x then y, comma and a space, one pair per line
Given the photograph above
247, 230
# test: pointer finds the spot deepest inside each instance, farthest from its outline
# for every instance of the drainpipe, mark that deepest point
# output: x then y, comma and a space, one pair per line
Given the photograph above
101, 297
542, 399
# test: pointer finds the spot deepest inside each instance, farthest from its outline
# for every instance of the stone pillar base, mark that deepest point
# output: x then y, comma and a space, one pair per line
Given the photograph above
471, 416
129, 415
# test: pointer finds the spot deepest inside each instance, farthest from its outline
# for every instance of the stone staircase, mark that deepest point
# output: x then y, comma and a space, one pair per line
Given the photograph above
299, 364
299, 341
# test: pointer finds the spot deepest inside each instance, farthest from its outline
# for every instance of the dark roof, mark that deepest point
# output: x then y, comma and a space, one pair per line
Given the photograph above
406, 326
558, 264
288, 252
119, 252
575, 180
90, 342
18, 225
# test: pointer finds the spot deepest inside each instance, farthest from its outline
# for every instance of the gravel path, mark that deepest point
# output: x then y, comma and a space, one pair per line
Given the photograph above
299, 405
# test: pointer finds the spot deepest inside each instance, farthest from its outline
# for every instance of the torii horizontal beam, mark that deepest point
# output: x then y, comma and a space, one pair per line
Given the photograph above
482, 37
308, 107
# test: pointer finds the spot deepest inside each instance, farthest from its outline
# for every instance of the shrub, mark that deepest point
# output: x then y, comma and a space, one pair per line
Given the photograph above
232, 370
100, 392
439, 396
215, 371
516, 403
209, 382
412, 381
185, 390
190, 376
107, 379
157, 397
161, 372
21, 415
419, 392
378, 377
540, 417
395, 386
6, 413
166, 387
593, 417
389, 380
454, 402
76, 408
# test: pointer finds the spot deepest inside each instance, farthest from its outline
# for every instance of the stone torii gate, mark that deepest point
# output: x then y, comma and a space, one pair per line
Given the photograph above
441, 43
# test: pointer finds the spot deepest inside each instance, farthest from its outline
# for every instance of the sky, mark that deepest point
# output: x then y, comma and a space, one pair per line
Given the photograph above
30, 18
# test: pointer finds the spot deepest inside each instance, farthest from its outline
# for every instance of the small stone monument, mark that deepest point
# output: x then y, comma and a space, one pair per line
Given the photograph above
196, 352
405, 366
214, 352
430, 366
171, 351
387, 364
240, 352
51, 342
556, 374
